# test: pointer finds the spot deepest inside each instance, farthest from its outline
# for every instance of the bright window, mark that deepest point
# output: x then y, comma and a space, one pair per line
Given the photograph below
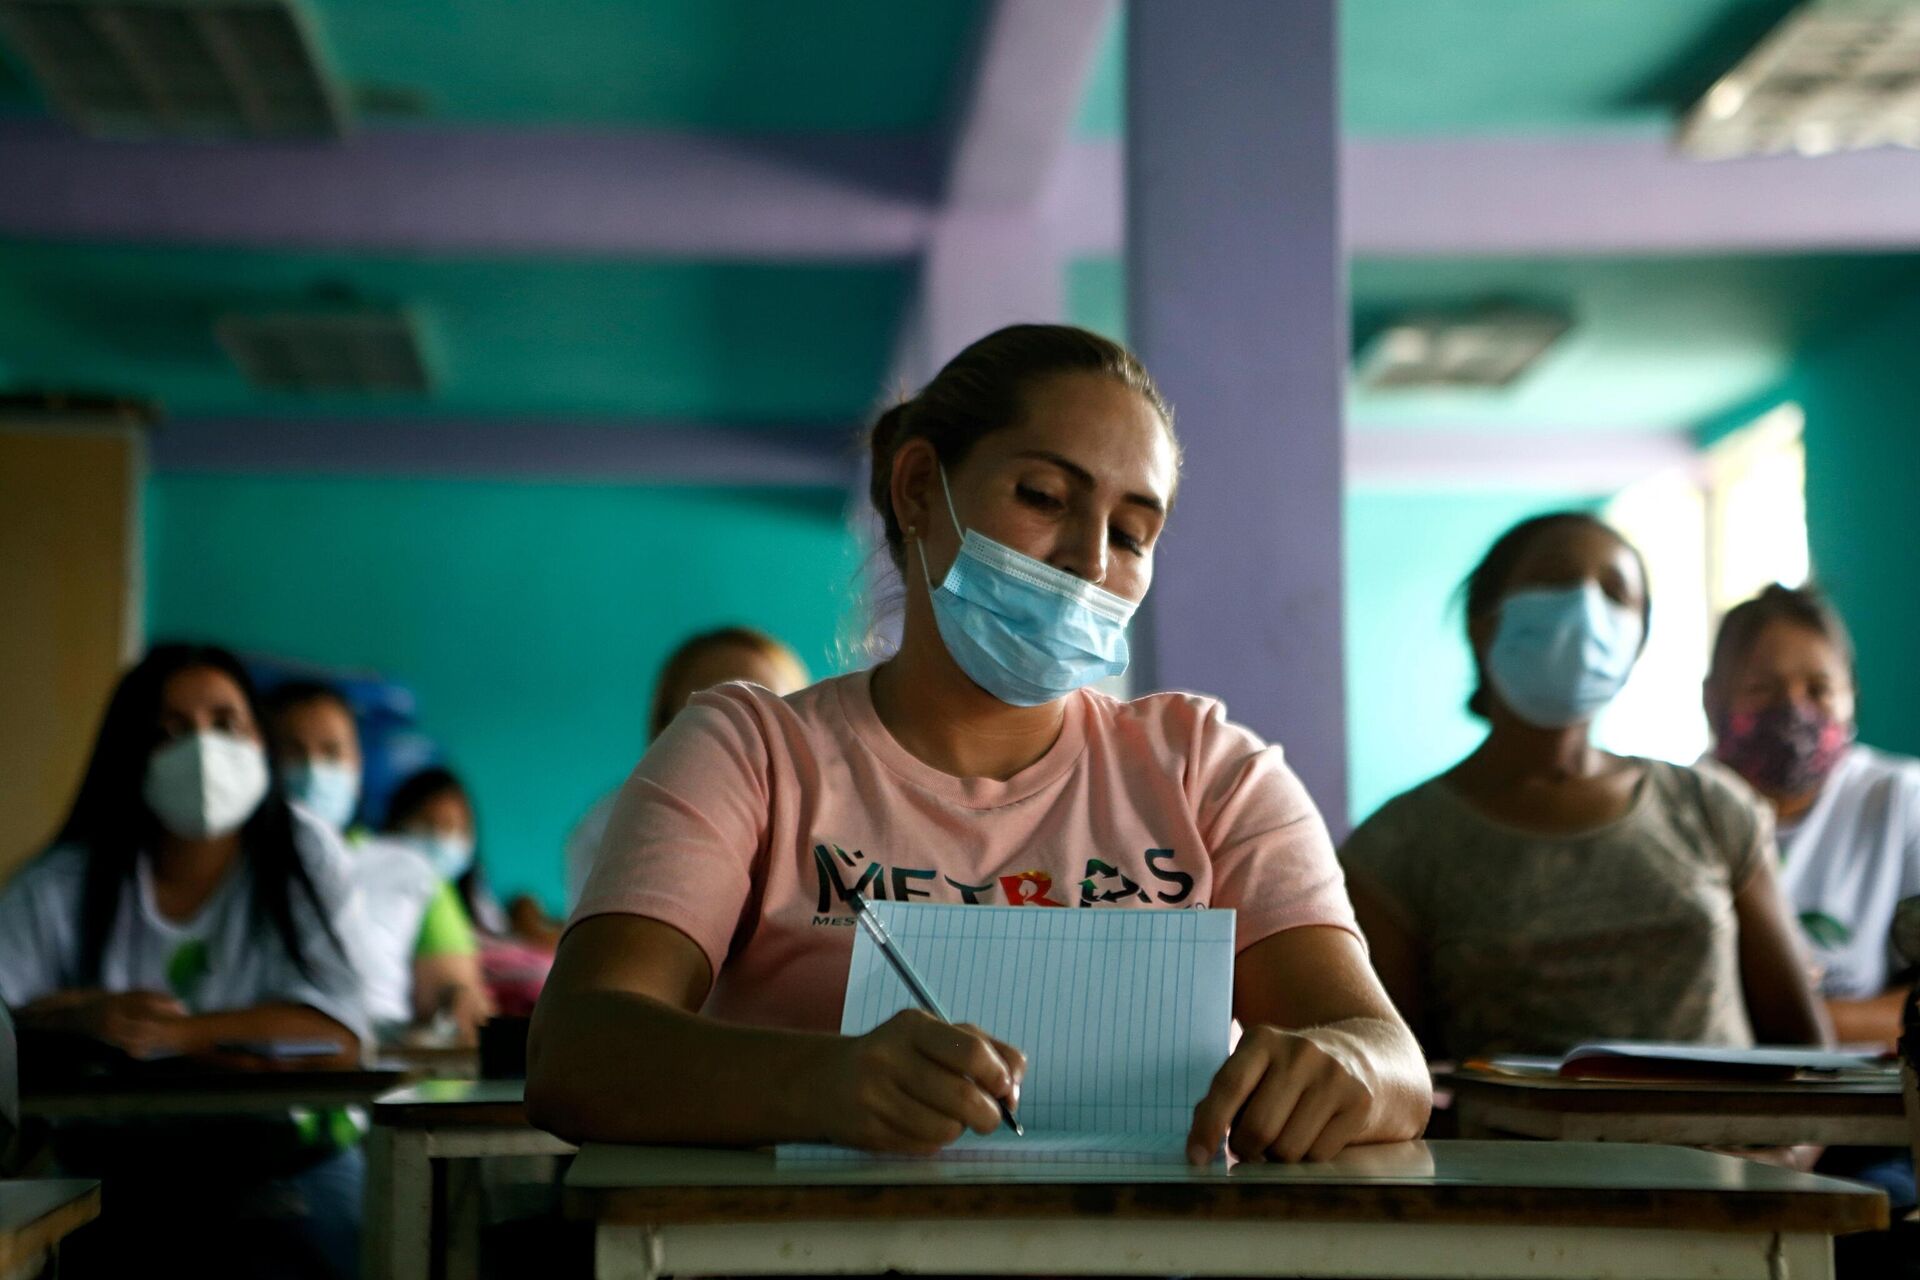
1757, 509
1712, 535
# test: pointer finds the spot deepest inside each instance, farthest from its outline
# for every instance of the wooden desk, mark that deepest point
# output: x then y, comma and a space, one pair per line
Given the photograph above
1439, 1209
419, 1161
36, 1214
1862, 1114
211, 1092
432, 1063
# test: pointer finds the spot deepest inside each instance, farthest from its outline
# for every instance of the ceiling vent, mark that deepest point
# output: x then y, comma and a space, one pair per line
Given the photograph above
1482, 349
1837, 75
360, 350
215, 68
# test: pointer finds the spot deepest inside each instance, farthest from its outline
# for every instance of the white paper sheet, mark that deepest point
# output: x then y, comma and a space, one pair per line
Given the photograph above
1124, 1016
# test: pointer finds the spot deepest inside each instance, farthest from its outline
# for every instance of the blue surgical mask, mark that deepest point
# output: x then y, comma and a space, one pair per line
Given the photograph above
329, 789
1559, 655
1024, 631
450, 855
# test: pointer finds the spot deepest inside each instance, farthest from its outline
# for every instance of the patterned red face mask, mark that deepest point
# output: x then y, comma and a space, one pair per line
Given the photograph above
1783, 751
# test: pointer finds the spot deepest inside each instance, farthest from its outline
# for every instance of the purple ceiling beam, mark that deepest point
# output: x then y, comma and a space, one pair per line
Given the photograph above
1539, 458
991, 258
675, 195
800, 455
1017, 115
653, 194
1636, 195
1509, 196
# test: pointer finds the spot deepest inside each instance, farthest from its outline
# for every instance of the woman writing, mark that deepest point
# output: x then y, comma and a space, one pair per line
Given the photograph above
695, 997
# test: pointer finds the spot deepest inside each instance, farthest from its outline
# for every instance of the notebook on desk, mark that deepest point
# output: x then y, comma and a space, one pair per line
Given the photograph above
1124, 1015
1651, 1061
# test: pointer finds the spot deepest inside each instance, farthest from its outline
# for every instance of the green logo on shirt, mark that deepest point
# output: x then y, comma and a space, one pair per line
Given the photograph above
188, 969
1824, 931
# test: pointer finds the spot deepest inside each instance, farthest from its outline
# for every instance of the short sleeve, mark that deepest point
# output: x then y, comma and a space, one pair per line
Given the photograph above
444, 927
38, 927
583, 842
1273, 861
690, 825
1907, 815
1907, 810
1741, 824
333, 935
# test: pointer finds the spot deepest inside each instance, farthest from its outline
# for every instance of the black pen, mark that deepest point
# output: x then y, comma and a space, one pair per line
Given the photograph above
884, 940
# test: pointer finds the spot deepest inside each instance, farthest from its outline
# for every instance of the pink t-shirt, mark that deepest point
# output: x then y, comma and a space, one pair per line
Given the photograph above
752, 816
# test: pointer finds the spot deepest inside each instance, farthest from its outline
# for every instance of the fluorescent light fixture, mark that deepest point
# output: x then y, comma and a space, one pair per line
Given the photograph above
1835, 75
1485, 348
357, 350
143, 68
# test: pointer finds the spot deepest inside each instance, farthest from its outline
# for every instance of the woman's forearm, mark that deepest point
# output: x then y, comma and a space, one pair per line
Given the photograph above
1874, 1020
613, 1066
1396, 1071
59, 1011
206, 1032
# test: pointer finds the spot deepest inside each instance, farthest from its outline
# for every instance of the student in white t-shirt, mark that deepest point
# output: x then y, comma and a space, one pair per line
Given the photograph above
700, 662
1780, 698
184, 909
423, 965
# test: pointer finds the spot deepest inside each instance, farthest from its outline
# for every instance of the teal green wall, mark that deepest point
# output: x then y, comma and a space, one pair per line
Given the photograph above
1408, 673
1861, 396
1410, 67
752, 65
529, 618
566, 336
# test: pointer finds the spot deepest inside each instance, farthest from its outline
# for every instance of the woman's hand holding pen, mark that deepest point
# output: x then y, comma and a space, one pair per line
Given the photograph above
1287, 1095
914, 1084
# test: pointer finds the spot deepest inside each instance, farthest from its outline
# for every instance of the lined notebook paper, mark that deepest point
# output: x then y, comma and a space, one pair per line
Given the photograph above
1124, 1016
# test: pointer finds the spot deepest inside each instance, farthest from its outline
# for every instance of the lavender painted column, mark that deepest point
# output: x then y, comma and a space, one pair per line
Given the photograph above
1237, 302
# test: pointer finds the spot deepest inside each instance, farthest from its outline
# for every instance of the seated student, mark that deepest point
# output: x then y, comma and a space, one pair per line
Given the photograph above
185, 906
432, 812
1780, 699
701, 662
1544, 892
1022, 493
1779, 695
423, 964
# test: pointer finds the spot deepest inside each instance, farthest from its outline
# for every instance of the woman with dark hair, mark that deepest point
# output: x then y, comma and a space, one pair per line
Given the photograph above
696, 996
183, 907
422, 965
1780, 699
1544, 892
433, 812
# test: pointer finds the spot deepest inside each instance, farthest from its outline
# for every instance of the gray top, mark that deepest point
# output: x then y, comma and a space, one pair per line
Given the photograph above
1534, 943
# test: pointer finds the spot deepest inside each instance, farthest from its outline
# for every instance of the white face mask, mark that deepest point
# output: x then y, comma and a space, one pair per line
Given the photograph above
331, 790
205, 785
450, 854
